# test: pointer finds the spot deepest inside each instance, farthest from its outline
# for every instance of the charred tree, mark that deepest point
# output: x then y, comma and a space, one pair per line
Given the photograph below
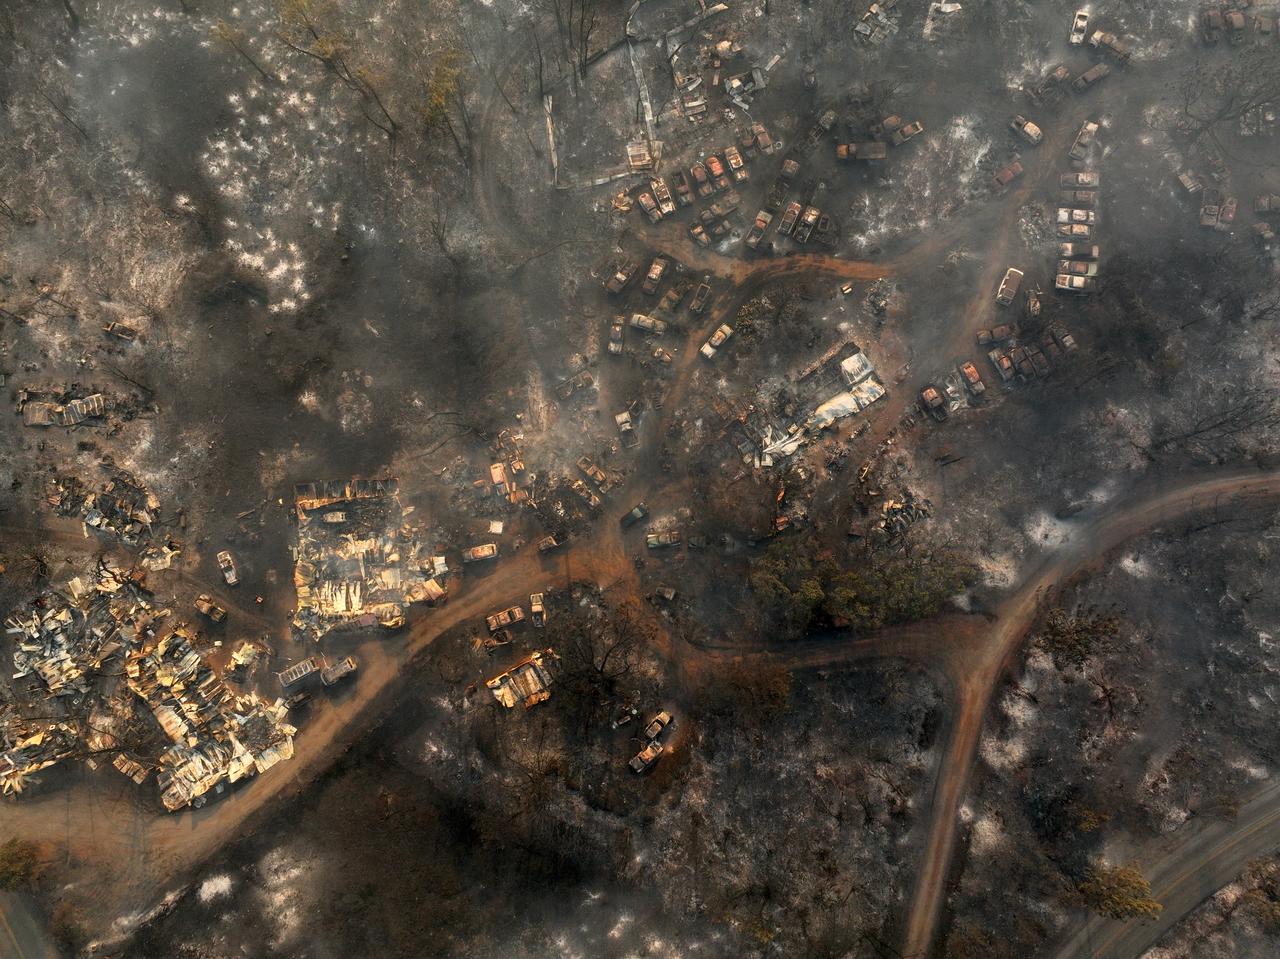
236, 40
302, 31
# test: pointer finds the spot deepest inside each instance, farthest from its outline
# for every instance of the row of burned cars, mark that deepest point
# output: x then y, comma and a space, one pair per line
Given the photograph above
1012, 357
1026, 358
1077, 219
1233, 23
800, 219
892, 130
714, 174
1218, 209
1060, 79
717, 180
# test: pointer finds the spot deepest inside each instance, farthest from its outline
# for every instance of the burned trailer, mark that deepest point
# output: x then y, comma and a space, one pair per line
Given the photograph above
294, 674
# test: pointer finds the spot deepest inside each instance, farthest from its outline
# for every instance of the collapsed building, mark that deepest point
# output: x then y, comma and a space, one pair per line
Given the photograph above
66, 641
30, 746
122, 507
215, 736
831, 388
66, 635
357, 563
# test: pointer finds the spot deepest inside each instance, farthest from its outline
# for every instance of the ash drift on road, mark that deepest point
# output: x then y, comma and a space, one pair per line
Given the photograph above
784, 285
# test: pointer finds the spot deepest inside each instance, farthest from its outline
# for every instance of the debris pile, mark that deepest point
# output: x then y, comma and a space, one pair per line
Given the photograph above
897, 516
60, 406
215, 735
123, 507
878, 23
508, 477
64, 637
356, 562
30, 746
939, 21
825, 391
65, 641
527, 682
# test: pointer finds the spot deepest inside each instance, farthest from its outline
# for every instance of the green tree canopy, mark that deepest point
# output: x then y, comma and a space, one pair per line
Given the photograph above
801, 589
18, 861
1119, 892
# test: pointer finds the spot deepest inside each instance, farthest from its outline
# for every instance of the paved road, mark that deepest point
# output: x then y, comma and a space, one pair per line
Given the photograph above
22, 934
1198, 864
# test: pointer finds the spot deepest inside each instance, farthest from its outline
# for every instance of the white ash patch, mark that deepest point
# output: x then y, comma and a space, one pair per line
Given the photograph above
281, 895
124, 926
309, 400
436, 752
1039, 669
1019, 710
274, 166
620, 926
1254, 771
1000, 571
1025, 73
1046, 530
1139, 567
1004, 754
215, 888
1104, 492
986, 835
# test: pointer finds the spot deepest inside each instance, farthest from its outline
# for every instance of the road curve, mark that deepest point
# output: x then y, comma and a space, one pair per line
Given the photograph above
1091, 538
153, 851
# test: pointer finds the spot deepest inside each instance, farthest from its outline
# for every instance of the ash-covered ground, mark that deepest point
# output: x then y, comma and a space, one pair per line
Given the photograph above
250, 245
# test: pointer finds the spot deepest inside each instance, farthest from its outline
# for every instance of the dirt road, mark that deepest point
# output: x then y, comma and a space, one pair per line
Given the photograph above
140, 854
1092, 537
22, 934
143, 853
1201, 862
148, 853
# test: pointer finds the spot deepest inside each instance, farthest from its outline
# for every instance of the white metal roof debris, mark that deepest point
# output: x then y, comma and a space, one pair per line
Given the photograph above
67, 637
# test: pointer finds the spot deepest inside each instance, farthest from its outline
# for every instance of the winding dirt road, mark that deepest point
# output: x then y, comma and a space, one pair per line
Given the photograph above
1092, 538
149, 850
141, 854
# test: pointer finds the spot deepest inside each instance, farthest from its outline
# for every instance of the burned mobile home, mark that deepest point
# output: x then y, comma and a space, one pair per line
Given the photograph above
216, 736
840, 383
357, 563
68, 406
91, 651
